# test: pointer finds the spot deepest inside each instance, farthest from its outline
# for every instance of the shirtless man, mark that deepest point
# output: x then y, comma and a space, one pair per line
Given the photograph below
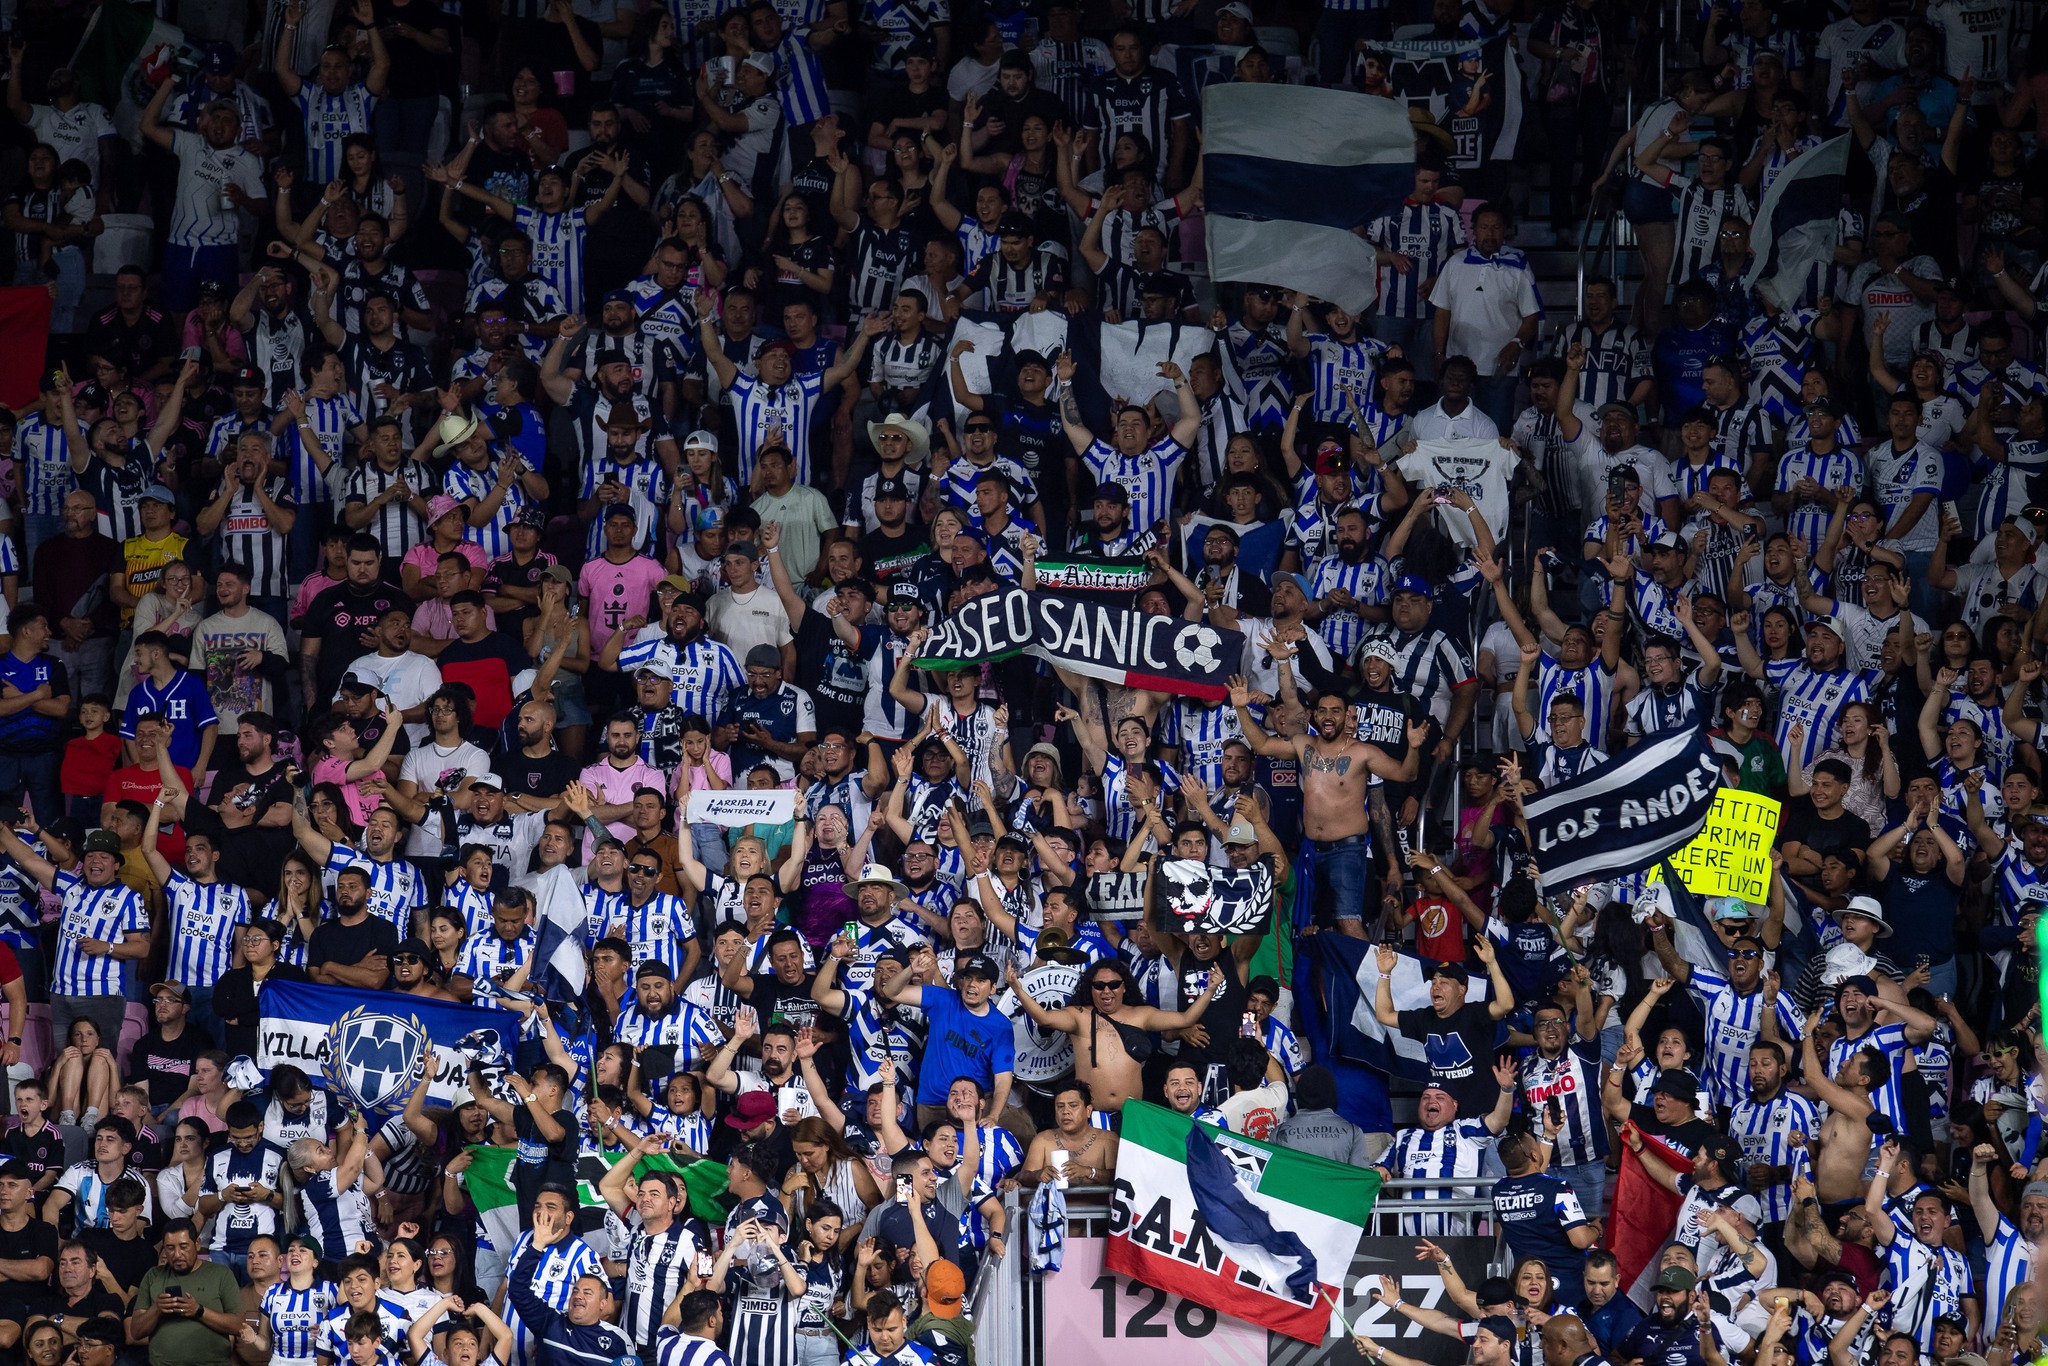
1841, 1158
1112, 1033
1337, 769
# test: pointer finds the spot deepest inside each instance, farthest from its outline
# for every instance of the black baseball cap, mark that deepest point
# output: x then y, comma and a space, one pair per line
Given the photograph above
1676, 1083
975, 965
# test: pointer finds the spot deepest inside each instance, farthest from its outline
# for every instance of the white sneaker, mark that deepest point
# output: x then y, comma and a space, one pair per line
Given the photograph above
88, 1119
68, 1117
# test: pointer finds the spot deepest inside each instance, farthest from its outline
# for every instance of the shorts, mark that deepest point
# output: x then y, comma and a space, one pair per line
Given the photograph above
1643, 203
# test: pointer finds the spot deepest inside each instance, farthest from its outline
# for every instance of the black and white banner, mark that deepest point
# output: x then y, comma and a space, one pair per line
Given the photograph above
1193, 897
1091, 638
737, 806
1115, 896
1626, 814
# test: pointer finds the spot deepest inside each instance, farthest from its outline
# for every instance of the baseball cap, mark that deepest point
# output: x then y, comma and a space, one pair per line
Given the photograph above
103, 842
1500, 1325
1829, 623
1238, 8
1675, 1083
218, 59
1332, 462
904, 595
355, 685
1241, 832
1036, 358
709, 519
157, 493
558, 573
1627, 410
945, 1287
14, 1169
764, 657
976, 965
620, 296
752, 1109
612, 355
1666, 540
533, 517
173, 989
1112, 492
889, 486
249, 375
1823, 407
1676, 1278
763, 62
1411, 583
653, 967
700, 440
624, 510
1014, 224
489, 780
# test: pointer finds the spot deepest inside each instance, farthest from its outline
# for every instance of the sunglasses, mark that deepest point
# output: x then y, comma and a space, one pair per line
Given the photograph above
1107, 984
1746, 954
405, 958
641, 870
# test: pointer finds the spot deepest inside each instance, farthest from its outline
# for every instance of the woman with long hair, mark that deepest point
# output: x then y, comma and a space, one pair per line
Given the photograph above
1862, 743
542, 130
561, 625
364, 180
701, 175
827, 1232
85, 1079
692, 225
827, 1170
799, 259
405, 1273
1782, 648
448, 1268
651, 89
300, 905
208, 1095
179, 1185
1030, 176
702, 485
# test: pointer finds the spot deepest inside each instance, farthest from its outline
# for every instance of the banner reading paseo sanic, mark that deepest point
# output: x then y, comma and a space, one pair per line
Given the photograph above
1089, 637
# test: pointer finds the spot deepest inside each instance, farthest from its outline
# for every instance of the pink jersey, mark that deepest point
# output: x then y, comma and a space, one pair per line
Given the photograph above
616, 592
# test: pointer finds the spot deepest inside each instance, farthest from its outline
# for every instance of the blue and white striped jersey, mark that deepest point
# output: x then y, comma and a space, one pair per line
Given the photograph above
295, 1319
1734, 1022
1205, 728
1368, 581
1593, 684
761, 414
109, 914
706, 672
338, 1218
1839, 468
2022, 887
1426, 234
466, 485
332, 419
1419, 1154
554, 1279
558, 245
1815, 698
1340, 371
327, 120
1926, 1283
1148, 475
1889, 1039
1764, 1129
203, 919
88, 1190
2009, 1263
397, 888
44, 453
656, 930
1617, 360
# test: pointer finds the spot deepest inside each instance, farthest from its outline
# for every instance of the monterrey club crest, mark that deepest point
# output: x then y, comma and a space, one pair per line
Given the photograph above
374, 1057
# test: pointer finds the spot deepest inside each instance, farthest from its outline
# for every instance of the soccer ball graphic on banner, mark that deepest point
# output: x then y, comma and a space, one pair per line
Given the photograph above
374, 1057
1198, 648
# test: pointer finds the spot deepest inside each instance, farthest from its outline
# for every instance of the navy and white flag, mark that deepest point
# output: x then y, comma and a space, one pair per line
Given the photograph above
1799, 224
1193, 897
1288, 172
559, 969
1350, 974
376, 1059
1625, 814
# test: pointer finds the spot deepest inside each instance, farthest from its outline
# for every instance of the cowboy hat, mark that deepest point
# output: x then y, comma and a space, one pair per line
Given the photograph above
874, 874
920, 436
455, 429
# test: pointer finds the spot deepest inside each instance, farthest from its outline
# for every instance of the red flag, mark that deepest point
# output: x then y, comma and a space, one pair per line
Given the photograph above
1645, 1210
24, 341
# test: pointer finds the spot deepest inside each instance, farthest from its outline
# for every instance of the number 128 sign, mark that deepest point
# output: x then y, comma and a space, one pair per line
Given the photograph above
1089, 1309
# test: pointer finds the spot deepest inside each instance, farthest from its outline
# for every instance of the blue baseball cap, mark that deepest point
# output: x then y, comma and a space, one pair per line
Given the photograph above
1412, 583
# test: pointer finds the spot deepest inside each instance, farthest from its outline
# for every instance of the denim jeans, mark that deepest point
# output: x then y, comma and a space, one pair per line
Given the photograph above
1341, 876
1588, 1181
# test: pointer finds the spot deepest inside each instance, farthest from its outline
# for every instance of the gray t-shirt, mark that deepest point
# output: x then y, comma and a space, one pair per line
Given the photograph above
1325, 1133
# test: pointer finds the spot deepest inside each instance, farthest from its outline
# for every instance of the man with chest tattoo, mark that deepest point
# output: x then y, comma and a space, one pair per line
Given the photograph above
1336, 768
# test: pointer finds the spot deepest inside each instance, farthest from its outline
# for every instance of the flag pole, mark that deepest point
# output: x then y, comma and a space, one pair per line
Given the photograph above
1342, 1322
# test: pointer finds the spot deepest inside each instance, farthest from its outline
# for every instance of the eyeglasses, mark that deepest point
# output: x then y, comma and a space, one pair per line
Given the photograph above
440, 1252
1553, 1022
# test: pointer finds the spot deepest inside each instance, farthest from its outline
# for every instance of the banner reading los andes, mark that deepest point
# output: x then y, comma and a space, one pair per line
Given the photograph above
734, 807
1096, 639
1193, 897
1259, 1232
1624, 815
1731, 855
372, 1035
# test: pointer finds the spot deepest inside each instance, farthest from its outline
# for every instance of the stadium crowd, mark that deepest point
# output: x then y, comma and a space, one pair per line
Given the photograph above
518, 420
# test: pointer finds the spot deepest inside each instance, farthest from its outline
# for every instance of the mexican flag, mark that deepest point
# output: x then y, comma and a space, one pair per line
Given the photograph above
1249, 1229
489, 1183
125, 54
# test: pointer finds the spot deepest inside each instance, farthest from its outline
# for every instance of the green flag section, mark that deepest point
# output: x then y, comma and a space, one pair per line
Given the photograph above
125, 53
489, 1183
1255, 1231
